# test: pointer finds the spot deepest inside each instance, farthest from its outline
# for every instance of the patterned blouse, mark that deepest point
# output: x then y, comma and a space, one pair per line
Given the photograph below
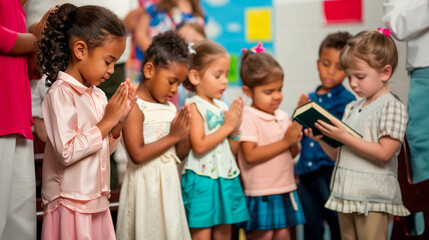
219, 161
361, 185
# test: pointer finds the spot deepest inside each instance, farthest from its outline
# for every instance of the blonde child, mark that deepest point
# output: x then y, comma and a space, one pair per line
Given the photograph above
78, 51
314, 166
268, 144
364, 185
150, 205
211, 189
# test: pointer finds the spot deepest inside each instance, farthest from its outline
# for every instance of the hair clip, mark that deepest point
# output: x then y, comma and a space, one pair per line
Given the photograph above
191, 49
384, 31
258, 48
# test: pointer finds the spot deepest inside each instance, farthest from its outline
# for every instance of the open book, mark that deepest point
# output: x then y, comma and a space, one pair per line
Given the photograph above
309, 113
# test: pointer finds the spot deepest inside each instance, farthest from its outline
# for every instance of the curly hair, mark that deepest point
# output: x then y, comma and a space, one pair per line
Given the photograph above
166, 48
371, 46
93, 24
335, 40
259, 68
206, 51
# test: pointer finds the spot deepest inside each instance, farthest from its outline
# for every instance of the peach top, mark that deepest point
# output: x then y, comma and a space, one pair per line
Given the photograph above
76, 167
276, 175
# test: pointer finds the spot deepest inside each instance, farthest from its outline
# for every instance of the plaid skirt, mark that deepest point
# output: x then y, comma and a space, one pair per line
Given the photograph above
273, 212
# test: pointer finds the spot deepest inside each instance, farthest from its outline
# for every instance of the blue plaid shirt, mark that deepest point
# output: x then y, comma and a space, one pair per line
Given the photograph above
312, 155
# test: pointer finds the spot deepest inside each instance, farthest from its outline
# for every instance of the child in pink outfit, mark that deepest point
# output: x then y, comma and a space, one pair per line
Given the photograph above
269, 142
78, 51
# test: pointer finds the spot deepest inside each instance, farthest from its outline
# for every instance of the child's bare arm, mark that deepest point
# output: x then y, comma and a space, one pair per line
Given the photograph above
140, 152
233, 137
202, 143
141, 31
255, 154
383, 150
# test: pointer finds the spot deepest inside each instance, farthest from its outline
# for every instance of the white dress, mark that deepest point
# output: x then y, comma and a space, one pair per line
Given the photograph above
150, 204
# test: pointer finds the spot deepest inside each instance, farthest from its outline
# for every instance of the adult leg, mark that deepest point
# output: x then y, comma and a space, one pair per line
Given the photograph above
18, 188
347, 226
418, 135
417, 132
372, 227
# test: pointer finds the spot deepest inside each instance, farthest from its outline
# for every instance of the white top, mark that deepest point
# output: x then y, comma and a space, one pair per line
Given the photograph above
38, 93
219, 161
360, 184
409, 21
35, 9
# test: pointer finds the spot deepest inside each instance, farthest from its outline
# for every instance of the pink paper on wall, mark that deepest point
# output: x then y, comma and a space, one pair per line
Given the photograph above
342, 11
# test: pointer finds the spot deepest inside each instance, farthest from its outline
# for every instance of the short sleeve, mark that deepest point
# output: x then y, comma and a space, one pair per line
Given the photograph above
393, 120
249, 132
200, 107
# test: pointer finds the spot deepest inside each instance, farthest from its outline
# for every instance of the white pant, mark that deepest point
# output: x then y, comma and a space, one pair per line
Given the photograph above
17, 188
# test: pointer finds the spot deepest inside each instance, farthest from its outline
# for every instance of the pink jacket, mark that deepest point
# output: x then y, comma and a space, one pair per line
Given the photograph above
76, 168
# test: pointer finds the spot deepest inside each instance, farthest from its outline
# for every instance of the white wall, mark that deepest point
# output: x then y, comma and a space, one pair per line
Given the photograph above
299, 31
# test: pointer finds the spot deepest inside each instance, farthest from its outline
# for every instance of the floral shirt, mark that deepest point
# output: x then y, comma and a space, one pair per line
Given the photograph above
219, 161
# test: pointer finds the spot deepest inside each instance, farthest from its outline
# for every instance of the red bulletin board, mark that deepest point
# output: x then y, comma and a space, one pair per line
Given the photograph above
342, 11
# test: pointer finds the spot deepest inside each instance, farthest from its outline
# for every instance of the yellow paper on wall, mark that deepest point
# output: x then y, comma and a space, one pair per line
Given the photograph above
258, 24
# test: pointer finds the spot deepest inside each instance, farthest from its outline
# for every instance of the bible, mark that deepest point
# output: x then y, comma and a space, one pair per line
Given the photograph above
309, 113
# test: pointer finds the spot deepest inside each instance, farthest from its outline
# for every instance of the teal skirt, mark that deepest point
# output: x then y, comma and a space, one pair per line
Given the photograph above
210, 202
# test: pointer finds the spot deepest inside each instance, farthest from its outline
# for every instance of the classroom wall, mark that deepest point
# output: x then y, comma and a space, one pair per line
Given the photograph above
299, 30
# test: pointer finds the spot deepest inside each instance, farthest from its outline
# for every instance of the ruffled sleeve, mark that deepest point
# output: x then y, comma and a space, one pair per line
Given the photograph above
393, 120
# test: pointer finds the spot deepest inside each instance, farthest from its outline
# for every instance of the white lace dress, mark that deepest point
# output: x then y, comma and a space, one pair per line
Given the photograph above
151, 205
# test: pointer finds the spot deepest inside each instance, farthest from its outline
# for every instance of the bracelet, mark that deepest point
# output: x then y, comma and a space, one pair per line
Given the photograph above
236, 137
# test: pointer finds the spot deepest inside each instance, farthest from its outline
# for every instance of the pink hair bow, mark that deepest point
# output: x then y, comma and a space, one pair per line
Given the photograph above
384, 31
258, 48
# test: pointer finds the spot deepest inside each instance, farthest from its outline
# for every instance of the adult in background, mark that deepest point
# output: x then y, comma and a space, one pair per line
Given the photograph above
409, 21
17, 178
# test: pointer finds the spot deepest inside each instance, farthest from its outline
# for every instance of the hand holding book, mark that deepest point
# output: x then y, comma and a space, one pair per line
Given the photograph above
333, 130
312, 115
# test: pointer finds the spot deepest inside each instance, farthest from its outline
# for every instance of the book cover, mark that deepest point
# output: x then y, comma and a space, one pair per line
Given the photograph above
309, 113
